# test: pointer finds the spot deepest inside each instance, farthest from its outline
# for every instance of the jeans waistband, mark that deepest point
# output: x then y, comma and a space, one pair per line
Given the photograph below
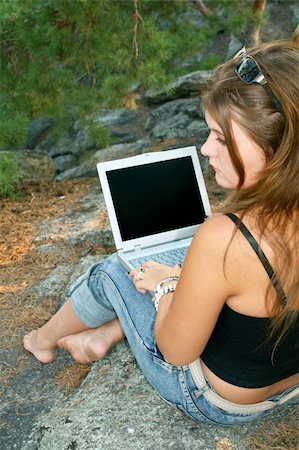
212, 397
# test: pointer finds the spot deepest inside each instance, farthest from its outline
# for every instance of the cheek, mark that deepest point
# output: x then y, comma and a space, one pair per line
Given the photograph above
226, 162
253, 166
226, 176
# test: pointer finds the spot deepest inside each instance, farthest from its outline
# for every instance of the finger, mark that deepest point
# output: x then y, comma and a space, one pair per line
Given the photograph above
136, 278
139, 286
150, 263
134, 272
142, 291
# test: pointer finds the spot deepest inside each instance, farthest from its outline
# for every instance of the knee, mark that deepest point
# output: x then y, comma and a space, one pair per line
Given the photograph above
112, 265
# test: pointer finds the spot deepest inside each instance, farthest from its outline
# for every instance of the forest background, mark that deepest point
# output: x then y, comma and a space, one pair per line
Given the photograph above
65, 60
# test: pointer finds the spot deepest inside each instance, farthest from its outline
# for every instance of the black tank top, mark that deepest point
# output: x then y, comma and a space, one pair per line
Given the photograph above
239, 350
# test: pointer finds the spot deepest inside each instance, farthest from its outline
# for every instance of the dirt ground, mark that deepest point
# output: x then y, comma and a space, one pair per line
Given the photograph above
22, 266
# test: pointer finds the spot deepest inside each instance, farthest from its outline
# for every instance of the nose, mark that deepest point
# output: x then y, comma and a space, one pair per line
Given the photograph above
208, 148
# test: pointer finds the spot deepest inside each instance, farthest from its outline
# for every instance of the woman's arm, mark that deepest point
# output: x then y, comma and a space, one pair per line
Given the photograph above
186, 319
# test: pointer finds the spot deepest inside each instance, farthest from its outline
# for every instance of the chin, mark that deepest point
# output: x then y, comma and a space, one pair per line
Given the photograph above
225, 183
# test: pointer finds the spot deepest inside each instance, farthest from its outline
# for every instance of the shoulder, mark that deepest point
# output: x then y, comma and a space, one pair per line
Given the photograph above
218, 245
209, 249
218, 222
216, 230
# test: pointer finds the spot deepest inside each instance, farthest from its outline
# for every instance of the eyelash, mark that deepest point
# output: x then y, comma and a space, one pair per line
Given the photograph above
220, 140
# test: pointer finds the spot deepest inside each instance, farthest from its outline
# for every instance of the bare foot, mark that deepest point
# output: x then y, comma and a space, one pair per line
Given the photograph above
94, 344
34, 344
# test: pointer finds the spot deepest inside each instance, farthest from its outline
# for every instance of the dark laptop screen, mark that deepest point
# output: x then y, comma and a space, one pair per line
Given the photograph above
157, 197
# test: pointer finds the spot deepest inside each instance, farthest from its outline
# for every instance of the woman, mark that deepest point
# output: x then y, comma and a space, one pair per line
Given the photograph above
219, 341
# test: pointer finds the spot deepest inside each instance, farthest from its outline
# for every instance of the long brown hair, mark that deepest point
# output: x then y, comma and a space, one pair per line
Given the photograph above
274, 198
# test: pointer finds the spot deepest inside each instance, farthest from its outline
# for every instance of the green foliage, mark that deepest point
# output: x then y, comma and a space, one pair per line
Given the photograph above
66, 59
8, 174
97, 133
235, 15
210, 62
13, 127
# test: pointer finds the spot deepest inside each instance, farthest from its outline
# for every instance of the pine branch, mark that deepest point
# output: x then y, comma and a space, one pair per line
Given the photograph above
135, 58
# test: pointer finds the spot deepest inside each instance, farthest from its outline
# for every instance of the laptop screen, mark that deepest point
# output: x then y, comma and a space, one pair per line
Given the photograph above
156, 197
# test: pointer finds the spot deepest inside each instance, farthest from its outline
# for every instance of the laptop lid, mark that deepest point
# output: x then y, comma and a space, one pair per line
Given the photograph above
154, 198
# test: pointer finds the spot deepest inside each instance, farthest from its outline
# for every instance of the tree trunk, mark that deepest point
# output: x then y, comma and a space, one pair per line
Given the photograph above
258, 9
205, 11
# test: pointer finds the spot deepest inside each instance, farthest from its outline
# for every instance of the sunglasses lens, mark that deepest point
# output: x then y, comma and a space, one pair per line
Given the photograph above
248, 70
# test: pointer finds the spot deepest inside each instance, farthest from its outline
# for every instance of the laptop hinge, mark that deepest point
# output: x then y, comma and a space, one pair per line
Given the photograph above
132, 249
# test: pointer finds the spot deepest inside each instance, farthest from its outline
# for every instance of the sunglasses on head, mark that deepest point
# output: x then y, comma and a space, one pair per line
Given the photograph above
250, 72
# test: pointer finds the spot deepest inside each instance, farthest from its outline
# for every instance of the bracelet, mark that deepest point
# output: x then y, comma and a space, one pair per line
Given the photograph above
163, 290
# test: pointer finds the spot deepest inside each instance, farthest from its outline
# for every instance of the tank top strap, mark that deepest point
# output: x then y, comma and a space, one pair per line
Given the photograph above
262, 257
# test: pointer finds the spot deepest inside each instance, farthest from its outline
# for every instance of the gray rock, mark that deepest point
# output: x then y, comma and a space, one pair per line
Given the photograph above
35, 166
121, 151
176, 134
58, 150
52, 285
38, 128
84, 263
82, 142
124, 125
84, 170
120, 135
115, 408
185, 86
118, 117
88, 168
181, 126
178, 119
190, 107
32, 392
64, 162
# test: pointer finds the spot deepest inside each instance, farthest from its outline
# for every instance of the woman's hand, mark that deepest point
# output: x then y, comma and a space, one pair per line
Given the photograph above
147, 277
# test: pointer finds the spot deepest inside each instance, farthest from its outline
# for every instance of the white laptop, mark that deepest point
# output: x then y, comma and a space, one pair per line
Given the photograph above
155, 203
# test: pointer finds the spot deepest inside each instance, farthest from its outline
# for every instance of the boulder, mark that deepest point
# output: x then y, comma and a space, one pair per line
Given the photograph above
124, 125
190, 107
64, 162
35, 166
37, 131
117, 117
177, 119
88, 167
185, 86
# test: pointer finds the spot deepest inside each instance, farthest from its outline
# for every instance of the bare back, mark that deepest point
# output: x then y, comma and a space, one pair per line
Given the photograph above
220, 267
250, 282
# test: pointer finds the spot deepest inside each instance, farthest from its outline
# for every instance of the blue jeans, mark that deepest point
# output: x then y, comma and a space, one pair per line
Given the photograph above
105, 292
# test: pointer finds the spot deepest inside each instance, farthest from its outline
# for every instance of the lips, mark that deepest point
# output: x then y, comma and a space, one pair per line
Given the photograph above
215, 169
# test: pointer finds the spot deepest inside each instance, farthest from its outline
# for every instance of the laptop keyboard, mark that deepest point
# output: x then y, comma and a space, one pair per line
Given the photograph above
168, 257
